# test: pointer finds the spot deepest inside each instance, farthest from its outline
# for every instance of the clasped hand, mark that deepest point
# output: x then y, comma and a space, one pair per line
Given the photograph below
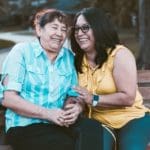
68, 115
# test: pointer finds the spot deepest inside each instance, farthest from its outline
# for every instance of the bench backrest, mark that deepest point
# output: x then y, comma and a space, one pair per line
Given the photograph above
144, 85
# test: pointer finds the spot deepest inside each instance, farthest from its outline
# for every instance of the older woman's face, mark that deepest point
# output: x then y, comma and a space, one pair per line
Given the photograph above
52, 35
84, 34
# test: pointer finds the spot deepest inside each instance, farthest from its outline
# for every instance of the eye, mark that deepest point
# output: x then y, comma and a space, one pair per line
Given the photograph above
54, 27
64, 29
85, 28
76, 28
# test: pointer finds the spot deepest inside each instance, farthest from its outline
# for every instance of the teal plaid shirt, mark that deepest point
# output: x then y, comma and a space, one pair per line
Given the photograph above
38, 80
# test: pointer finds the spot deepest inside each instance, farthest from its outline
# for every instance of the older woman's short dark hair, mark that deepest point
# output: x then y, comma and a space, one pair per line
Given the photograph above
48, 15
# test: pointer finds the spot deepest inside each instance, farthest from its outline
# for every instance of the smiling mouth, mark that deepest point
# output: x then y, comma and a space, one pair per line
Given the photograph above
58, 41
82, 39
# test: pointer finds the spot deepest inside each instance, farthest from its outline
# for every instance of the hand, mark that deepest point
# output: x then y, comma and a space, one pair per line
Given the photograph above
84, 94
56, 116
71, 113
70, 100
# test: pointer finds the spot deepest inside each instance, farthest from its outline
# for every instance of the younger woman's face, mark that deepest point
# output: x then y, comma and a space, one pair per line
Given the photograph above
84, 34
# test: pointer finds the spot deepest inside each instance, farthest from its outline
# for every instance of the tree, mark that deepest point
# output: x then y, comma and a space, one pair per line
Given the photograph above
3, 7
143, 60
4, 12
120, 10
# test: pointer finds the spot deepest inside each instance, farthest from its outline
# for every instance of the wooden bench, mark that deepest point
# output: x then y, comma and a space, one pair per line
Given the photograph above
3, 145
144, 87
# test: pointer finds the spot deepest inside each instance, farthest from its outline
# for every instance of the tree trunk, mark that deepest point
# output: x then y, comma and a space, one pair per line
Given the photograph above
143, 61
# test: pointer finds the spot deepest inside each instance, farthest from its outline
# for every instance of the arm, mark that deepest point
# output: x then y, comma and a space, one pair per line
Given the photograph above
73, 105
14, 73
25, 108
125, 77
124, 74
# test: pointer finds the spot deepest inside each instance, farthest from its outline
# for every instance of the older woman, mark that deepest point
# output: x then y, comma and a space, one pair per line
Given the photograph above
107, 78
37, 78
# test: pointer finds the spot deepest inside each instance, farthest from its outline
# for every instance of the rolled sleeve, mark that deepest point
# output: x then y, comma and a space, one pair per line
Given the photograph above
1, 92
14, 68
12, 85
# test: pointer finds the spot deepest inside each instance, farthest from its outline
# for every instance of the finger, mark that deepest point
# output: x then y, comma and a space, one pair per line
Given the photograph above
60, 120
66, 125
59, 123
70, 121
69, 106
81, 89
69, 112
82, 97
71, 116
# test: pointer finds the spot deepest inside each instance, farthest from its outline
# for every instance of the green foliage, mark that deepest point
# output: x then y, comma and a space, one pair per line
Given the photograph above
5, 43
120, 10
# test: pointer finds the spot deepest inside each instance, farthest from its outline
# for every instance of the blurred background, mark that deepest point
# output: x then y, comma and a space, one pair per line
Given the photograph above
132, 19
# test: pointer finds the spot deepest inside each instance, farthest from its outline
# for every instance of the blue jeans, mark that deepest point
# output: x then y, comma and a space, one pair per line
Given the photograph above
133, 136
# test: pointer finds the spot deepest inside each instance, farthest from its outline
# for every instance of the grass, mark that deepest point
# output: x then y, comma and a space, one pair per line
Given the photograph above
6, 44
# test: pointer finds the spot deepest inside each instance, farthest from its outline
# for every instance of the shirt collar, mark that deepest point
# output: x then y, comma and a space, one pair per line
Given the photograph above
38, 48
86, 65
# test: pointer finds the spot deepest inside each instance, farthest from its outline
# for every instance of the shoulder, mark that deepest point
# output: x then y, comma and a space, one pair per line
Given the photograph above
19, 47
124, 57
123, 53
68, 52
20, 51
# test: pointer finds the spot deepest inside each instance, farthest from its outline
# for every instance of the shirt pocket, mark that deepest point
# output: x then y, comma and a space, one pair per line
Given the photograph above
36, 75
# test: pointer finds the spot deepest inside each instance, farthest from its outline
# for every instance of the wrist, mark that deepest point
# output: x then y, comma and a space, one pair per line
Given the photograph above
44, 113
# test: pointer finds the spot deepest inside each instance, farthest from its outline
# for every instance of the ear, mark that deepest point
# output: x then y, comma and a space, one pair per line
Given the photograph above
38, 30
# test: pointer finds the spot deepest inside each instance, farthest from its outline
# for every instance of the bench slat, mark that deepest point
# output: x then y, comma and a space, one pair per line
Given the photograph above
145, 91
143, 76
144, 85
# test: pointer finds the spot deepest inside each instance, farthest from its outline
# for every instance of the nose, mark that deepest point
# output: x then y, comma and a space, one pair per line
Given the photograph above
80, 32
59, 32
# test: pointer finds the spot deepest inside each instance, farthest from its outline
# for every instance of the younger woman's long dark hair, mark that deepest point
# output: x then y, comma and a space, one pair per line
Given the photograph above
104, 33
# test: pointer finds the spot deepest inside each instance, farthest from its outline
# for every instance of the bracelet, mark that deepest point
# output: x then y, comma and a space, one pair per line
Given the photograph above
95, 100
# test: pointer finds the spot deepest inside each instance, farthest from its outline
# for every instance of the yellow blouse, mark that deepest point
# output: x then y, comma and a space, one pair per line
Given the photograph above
100, 81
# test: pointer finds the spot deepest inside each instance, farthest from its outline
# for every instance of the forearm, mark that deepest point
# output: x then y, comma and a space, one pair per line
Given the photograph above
121, 98
23, 107
115, 100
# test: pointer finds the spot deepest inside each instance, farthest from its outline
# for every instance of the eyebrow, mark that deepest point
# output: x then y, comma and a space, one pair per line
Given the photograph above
63, 25
82, 24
